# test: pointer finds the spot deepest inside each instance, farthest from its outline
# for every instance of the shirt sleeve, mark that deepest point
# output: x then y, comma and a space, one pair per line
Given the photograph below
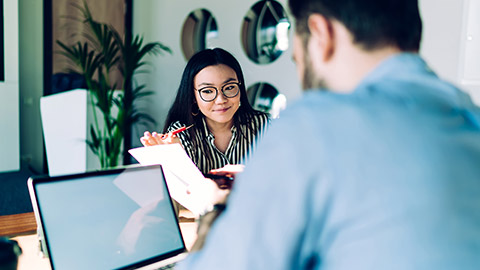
184, 137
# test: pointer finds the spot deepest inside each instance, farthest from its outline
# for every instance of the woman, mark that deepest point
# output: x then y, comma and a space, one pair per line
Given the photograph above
212, 97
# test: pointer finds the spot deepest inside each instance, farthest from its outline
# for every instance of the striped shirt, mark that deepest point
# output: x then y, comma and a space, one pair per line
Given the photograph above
203, 152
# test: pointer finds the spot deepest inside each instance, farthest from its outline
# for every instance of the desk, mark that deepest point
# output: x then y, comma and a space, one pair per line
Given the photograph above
32, 258
18, 224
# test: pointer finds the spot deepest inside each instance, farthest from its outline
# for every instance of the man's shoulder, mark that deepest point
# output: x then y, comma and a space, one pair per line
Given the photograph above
317, 114
323, 104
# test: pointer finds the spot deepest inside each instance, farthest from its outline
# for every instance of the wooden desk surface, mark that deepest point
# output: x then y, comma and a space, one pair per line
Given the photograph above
31, 257
18, 224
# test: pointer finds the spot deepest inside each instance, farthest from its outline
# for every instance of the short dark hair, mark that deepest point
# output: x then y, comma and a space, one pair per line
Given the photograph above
373, 23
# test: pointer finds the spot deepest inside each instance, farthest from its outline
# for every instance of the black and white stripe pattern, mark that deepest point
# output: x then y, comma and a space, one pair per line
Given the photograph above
202, 150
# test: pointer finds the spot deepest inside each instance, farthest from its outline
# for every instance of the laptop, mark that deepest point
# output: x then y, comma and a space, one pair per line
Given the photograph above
113, 219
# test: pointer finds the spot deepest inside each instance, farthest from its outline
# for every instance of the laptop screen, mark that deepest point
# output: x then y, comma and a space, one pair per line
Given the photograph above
114, 219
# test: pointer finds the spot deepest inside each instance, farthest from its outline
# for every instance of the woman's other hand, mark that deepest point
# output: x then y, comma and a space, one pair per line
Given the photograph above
229, 170
154, 138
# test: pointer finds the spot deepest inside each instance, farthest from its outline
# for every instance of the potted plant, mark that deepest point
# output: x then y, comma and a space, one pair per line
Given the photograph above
106, 51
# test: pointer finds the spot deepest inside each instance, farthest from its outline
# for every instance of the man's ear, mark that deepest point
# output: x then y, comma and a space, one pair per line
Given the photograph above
322, 35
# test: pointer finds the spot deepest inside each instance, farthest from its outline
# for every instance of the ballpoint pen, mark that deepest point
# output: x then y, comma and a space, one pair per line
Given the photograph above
175, 132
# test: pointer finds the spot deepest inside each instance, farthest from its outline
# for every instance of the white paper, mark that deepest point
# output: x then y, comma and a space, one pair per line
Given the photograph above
180, 172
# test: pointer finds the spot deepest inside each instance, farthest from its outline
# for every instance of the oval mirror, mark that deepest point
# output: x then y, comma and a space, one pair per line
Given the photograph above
265, 32
266, 98
199, 32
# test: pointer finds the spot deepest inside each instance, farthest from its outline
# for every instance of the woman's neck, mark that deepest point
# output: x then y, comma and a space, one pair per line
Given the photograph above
216, 127
222, 132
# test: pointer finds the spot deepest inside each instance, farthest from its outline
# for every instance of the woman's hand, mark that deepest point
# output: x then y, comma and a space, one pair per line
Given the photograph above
154, 138
225, 176
229, 170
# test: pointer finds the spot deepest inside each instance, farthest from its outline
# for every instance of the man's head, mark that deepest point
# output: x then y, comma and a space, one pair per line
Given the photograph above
372, 25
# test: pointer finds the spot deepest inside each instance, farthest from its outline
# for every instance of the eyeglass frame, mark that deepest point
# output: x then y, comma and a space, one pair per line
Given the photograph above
216, 91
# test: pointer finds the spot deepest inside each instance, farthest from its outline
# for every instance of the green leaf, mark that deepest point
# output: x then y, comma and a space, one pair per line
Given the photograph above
94, 144
102, 51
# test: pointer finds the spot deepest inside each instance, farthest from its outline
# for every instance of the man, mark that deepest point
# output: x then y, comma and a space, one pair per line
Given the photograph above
379, 168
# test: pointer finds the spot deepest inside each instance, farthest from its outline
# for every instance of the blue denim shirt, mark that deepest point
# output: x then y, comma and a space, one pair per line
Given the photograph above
387, 177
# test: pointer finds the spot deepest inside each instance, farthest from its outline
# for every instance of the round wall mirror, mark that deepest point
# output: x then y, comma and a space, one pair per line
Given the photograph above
265, 32
199, 32
266, 98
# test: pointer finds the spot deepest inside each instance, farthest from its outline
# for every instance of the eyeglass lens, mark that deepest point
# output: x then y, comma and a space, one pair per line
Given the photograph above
229, 90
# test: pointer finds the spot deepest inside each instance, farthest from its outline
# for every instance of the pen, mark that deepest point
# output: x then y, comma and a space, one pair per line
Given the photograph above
175, 132
181, 129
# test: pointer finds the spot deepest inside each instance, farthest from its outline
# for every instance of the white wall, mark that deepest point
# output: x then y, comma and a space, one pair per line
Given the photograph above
162, 20
9, 92
445, 46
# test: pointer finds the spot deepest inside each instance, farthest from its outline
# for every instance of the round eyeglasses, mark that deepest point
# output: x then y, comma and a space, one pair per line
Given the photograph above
210, 93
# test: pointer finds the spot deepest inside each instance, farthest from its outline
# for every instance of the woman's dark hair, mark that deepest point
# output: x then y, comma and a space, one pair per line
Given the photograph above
373, 23
183, 105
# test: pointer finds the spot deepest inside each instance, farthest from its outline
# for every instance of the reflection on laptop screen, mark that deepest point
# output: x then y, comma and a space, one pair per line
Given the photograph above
108, 220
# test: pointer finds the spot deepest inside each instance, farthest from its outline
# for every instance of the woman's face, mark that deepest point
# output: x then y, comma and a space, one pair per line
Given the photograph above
221, 109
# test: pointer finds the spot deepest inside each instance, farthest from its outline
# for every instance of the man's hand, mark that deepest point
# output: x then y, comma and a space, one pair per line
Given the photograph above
211, 191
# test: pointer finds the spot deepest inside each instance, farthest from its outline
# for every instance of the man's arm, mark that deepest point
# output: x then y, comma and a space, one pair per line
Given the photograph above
205, 223
266, 214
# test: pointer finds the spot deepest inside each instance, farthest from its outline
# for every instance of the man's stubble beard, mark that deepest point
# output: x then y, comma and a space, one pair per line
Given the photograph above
310, 80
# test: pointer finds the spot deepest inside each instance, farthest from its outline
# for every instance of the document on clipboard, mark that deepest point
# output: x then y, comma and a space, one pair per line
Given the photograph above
180, 173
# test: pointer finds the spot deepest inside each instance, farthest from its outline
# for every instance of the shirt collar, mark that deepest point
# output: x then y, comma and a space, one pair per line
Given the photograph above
397, 64
413, 67
210, 135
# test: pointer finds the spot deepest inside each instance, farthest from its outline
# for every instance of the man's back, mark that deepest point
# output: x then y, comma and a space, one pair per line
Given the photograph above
387, 177
399, 173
